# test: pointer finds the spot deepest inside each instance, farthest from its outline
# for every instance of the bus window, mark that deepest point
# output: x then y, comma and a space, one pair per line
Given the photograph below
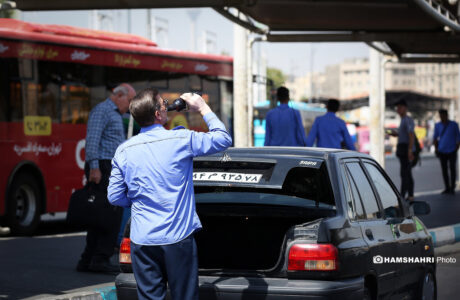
178, 83
15, 102
195, 83
74, 104
211, 88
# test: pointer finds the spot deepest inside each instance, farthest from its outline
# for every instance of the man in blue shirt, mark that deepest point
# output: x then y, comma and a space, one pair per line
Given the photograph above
329, 131
283, 123
446, 140
153, 173
103, 135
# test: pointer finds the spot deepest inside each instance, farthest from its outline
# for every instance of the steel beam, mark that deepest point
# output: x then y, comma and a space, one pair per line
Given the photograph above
121, 4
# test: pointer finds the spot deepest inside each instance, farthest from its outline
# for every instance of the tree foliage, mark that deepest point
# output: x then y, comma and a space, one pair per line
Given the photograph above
276, 78
6, 13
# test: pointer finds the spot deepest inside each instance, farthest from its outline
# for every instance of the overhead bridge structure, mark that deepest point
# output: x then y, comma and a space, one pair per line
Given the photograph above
413, 30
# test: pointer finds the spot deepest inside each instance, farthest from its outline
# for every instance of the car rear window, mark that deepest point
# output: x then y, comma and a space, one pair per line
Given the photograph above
302, 187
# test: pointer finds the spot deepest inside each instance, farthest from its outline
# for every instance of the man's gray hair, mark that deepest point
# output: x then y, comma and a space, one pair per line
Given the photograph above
121, 89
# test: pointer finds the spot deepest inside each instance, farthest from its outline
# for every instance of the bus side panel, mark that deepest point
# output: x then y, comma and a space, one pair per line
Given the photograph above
59, 156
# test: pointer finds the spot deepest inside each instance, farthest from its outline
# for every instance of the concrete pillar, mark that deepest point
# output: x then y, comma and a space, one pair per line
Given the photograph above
250, 91
377, 106
240, 86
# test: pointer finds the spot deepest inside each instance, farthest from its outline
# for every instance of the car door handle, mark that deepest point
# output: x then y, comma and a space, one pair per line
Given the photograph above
369, 234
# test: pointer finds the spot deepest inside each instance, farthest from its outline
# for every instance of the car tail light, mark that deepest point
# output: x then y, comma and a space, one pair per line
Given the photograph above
312, 257
125, 251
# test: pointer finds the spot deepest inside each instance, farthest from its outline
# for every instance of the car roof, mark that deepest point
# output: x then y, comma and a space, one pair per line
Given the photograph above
272, 164
274, 152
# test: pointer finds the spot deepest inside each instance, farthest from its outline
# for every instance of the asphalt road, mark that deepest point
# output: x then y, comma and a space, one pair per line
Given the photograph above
43, 266
427, 175
428, 187
447, 277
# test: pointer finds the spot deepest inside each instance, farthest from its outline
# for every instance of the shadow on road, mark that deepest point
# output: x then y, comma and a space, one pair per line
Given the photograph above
44, 265
444, 209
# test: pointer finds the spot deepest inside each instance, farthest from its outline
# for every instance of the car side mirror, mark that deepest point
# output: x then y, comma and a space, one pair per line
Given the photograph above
420, 208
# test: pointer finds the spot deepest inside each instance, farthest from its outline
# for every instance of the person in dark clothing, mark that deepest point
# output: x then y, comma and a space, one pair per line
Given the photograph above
284, 124
446, 140
329, 131
104, 134
405, 149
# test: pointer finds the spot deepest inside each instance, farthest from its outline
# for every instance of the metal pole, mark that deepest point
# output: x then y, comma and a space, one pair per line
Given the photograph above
377, 106
150, 29
250, 139
130, 126
240, 87
129, 21
312, 55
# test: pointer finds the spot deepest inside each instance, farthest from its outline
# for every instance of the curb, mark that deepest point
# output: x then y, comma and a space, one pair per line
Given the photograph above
445, 235
101, 293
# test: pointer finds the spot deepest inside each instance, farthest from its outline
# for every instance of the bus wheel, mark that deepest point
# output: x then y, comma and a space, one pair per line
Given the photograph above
23, 212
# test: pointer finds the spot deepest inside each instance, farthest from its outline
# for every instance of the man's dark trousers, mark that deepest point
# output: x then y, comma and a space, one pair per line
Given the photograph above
176, 264
100, 244
451, 160
407, 181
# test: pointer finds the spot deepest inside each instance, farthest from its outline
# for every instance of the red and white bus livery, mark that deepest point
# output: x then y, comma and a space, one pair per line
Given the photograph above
51, 78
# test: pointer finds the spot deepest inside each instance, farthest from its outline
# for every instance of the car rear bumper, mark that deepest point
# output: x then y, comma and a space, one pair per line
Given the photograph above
215, 287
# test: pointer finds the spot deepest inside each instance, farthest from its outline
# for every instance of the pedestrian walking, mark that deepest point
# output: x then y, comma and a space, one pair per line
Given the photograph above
153, 173
104, 134
405, 149
329, 131
446, 140
284, 124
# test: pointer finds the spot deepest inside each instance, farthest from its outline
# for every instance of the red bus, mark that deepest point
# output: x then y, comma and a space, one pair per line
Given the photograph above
51, 76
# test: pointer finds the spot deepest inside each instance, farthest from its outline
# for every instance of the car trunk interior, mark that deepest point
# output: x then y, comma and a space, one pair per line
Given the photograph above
246, 236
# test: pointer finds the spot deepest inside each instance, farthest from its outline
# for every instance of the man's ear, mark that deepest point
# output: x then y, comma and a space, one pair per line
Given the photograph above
157, 114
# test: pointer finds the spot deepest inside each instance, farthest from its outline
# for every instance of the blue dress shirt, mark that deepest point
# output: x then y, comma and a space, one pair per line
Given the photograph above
153, 173
284, 127
329, 131
450, 138
104, 133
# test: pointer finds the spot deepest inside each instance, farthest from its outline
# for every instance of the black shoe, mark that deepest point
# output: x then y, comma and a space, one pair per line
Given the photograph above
82, 266
446, 191
452, 192
104, 267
